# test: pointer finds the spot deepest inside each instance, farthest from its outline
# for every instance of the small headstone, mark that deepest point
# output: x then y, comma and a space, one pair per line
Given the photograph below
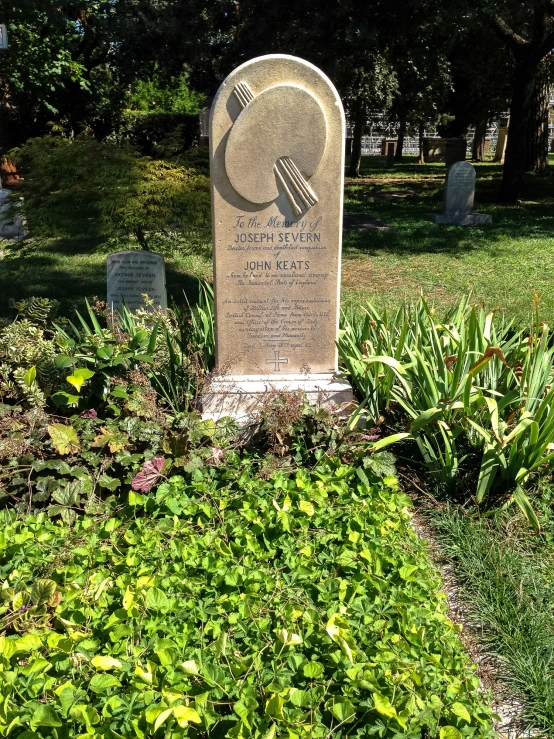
459, 194
131, 274
277, 164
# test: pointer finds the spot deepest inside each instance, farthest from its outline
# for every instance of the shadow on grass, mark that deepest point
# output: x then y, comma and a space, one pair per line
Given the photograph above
71, 271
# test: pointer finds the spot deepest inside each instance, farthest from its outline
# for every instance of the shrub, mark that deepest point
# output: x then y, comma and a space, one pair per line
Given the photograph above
145, 131
82, 186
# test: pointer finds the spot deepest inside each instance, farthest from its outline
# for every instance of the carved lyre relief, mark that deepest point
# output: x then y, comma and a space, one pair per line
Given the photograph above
276, 144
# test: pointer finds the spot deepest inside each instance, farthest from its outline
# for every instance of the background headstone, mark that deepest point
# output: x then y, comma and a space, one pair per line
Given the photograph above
277, 164
130, 274
502, 140
11, 227
459, 194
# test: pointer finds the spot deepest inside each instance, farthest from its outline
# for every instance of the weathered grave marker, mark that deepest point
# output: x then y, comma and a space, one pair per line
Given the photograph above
11, 224
459, 194
277, 163
134, 273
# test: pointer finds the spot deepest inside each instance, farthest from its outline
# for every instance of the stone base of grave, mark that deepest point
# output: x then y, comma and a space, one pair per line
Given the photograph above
242, 396
468, 219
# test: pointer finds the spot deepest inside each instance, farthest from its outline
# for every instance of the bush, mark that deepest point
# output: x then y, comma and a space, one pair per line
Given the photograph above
476, 392
145, 131
82, 186
228, 606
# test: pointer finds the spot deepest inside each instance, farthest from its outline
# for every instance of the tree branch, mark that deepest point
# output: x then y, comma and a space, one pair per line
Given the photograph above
508, 34
547, 45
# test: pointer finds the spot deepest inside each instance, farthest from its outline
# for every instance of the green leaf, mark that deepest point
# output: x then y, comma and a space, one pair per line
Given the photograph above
102, 683
45, 715
306, 507
157, 600
30, 376
78, 377
62, 361
526, 508
185, 715
383, 705
64, 438
313, 670
274, 707
191, 667
42, 592
162, 718
105, 663
449, 732
342, 709
458, 709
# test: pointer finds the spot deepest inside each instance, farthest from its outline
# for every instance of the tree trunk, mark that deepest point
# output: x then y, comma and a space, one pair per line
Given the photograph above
356, 156
421, 159
515, 160
400, 143
537, 130
479, 140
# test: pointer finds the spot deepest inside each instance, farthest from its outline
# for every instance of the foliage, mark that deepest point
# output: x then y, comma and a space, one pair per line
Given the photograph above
224, 605
165, 96
476, 392
152, 134
112, 190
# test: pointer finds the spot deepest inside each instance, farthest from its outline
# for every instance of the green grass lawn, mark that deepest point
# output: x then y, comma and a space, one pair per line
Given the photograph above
502, 264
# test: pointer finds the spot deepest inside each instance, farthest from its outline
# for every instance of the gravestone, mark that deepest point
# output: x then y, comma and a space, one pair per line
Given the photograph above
277, 164
459, 193
11, 224
134, 273
502, 140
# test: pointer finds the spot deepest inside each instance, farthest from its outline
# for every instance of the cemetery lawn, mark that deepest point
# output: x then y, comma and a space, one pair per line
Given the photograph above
502, 264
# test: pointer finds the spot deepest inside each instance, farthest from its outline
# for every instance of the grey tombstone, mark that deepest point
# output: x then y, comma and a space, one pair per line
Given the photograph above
132, 274
459, 193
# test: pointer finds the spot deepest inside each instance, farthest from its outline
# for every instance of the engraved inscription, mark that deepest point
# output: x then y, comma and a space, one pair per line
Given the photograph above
132, 274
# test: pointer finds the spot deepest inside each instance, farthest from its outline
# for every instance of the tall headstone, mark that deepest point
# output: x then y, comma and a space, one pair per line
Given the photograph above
132, 274
459, 194
277, 164
502, 140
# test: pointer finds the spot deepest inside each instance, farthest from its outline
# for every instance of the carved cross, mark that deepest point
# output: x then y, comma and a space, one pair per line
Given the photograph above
277, 361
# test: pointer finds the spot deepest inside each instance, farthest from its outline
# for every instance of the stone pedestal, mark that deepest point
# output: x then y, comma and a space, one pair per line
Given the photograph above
242, 396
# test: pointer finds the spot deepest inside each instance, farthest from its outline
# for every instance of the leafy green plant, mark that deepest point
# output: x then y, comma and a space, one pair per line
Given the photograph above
475, 391
226, 605
113, 190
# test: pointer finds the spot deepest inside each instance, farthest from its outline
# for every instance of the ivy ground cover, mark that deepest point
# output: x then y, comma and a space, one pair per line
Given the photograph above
225, 605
